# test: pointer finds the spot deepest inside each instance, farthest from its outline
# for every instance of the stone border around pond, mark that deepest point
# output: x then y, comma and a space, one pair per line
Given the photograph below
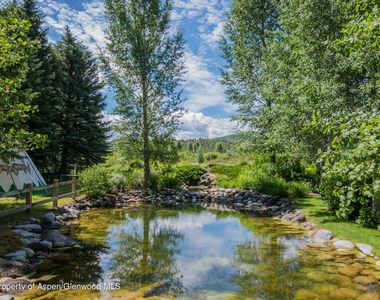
42, 236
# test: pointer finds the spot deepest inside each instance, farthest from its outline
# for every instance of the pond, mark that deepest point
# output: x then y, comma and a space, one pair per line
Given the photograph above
199, 254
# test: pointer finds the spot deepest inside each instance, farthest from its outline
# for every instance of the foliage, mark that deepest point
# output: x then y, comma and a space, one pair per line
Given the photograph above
368, 218
118, 181
39, 81
200, 157
82, 133
15, 107
95, 181
189, 174
263, 183
353, 156
231, 171
298, 189
144, 63
211, 156
167, 182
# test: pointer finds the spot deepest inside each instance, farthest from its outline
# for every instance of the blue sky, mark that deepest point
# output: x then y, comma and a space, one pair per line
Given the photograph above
208, 110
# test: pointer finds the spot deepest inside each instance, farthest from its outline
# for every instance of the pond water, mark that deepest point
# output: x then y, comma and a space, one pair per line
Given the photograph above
199, 254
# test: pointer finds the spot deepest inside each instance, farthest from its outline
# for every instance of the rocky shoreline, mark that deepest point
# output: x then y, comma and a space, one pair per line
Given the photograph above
41, 236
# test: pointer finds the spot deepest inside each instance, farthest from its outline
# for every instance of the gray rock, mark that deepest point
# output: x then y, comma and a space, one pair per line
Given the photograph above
365, 249
57, 239
378, 263
324, 234
255, 205
28, 227
273, 200
7, 297
19, 258
47, 244
344, 244
288, 217
15, 254
275, 208
29, 252
15, 286
11, 268
299, 217
48, 218
38, 247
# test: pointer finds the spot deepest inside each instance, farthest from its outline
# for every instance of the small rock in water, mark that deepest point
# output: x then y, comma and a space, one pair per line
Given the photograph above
366, 249
344, 244
324, 234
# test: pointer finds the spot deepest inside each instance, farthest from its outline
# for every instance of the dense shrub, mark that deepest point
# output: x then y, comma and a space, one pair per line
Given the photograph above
95, 181
210, 156
189, 174
263, 183
167, 182
298, 189
368, 217
118, 181
135, 180
231, 172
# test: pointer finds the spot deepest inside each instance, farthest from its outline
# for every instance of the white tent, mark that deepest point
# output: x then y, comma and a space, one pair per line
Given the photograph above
17, 173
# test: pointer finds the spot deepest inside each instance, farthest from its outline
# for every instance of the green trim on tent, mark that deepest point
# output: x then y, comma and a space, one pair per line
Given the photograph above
1, 190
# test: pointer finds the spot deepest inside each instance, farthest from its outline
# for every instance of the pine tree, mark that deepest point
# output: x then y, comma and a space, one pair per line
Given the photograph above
145, 65
82, 133
39, 81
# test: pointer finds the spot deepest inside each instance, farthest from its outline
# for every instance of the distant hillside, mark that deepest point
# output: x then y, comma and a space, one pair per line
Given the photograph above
231, 138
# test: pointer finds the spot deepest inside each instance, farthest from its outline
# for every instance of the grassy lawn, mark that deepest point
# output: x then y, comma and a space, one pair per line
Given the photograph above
10, 241
316, 210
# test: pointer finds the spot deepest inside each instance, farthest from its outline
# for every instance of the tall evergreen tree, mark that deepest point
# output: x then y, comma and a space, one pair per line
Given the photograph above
39, 81
145, 65
82, 133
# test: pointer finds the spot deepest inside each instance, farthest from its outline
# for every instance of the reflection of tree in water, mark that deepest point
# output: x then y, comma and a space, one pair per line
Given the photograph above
145, 256
268, 268
77, 265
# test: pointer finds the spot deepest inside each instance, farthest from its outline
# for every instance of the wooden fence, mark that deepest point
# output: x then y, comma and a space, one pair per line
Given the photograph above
28, 191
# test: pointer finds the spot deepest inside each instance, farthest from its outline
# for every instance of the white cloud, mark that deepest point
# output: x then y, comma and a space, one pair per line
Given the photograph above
87, 25
197, 125
212, 38
202, 86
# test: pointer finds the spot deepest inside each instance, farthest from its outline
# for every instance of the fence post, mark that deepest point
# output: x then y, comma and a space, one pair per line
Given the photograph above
74, 187
29, 197
55, 193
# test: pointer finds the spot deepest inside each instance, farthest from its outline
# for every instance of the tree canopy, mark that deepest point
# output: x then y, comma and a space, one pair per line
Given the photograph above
144, 63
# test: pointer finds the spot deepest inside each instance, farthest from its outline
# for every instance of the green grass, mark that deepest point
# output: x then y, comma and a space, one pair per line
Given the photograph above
315, 209
10, 241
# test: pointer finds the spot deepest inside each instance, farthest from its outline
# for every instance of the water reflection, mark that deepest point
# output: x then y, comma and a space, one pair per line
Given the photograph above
268, 263
144, 253
199, 254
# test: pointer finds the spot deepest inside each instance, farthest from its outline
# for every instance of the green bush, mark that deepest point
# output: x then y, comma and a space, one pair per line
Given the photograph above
368, 217
264, 183
167, 182
135, 180
189, 174
211, 156
118, 181
95, 181
298, 189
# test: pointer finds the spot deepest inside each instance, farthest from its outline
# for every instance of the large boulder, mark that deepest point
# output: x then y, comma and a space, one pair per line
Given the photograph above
36, 247
324, 234
14, 286
58, 239
12, 268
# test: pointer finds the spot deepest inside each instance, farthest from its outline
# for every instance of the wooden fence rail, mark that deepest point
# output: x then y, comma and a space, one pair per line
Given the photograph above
29, 195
